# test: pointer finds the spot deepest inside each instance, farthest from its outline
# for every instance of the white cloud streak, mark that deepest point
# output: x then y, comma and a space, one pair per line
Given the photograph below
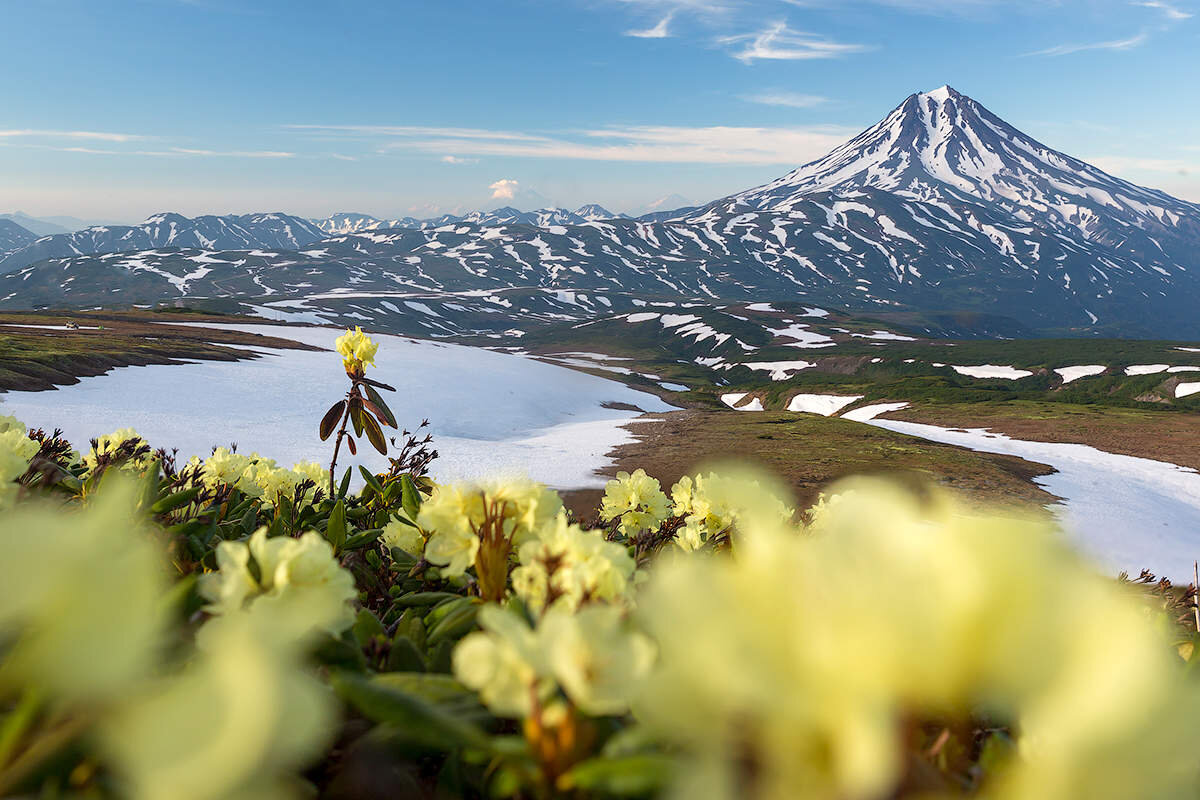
47, 134
1171, 12
644, 144
1117, 45
786, 99
778, 42
659, 31
458, 160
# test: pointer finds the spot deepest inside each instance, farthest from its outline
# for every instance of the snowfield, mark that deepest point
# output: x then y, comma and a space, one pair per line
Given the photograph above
824, 404
1127, 513
1069, 374
490, 413
992, 371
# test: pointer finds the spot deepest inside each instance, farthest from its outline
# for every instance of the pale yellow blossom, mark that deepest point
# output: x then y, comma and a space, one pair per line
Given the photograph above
636, 500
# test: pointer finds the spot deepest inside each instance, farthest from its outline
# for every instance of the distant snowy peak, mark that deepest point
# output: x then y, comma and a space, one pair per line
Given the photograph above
943, 146
593, 211
346, 222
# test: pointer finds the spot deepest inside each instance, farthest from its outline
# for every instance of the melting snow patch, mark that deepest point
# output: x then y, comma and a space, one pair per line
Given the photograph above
804, 337
734, 398
761, 307
675, 387
1069, 374
824, 404
1146, 369
885, 335
868, 413
642, 316
993, 371
780, 370
1185, 389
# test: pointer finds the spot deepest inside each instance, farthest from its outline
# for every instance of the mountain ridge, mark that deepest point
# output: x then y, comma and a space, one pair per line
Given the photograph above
940, 207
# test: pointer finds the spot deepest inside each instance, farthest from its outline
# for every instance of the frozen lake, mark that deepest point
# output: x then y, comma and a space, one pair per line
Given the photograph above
490, 413
1127, 513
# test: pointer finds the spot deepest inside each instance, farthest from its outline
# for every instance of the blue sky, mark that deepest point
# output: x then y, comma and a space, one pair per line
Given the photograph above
119, 109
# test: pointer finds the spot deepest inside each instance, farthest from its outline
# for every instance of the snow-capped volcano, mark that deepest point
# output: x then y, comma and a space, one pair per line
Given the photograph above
944, 146
942, 207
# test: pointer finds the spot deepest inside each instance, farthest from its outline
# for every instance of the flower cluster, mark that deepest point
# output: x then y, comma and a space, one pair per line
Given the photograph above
16, 450
258, 476
714, 504
480, 524
563, 565
811, 658
124, 444
636, 500
357, 349
592, 655
84, 607
294, 579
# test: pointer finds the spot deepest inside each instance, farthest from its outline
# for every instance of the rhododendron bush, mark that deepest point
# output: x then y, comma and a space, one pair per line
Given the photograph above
232, 628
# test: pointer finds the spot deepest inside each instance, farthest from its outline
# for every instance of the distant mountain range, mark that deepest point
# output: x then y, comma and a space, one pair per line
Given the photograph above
345, 222
941, 208
210, 233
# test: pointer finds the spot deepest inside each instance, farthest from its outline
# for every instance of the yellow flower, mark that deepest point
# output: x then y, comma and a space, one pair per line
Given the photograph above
637, 500
80, 598
403, 536
16, 450
714, 504
566, 565
110, 443
356, 349
504, 663
241, 717
593, 656
299, 581
225, 467
806, 656
456, 515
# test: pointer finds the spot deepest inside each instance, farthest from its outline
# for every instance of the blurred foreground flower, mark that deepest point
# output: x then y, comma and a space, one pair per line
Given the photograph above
804, 665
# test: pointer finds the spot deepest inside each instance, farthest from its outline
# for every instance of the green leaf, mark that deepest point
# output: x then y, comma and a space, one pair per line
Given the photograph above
426, 598
374, 434
384, 699
356, 417
345, 486
629, 775
330, 420
371, 480
362, 539
366, 627
454, 625
377, 399
335, 532
410, 499
177, 500
404, 656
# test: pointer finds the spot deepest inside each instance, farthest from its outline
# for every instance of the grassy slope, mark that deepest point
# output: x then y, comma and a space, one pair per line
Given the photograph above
33, 360
810, 451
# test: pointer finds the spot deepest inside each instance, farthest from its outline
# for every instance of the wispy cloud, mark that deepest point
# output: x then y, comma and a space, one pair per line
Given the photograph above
1118, 44
459, 160
779, 42
645, 144
179, 152
788, 99
659, 31
1171, 12
48, 134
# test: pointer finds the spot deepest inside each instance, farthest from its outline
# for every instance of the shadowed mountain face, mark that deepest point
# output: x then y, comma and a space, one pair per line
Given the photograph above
13, 237
941, 208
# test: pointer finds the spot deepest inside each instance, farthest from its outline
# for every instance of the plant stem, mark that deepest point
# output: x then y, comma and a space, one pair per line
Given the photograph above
337, 445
